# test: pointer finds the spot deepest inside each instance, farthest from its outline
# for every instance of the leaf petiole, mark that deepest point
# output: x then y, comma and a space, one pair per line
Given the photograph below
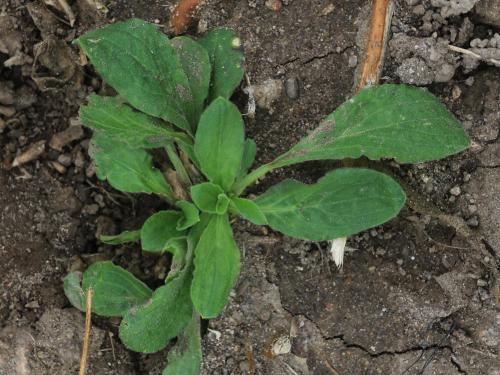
240, 186
178, 165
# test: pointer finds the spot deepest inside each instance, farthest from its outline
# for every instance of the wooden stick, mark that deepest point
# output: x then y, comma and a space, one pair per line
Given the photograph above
376, 45
183, 15
86, 335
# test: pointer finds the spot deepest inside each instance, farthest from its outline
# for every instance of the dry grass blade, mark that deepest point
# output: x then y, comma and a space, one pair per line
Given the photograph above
86, 335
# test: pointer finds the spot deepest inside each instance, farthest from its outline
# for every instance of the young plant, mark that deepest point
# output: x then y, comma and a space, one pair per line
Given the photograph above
173, 95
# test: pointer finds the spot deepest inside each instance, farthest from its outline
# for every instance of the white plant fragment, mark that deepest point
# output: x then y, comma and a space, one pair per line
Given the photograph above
337, 251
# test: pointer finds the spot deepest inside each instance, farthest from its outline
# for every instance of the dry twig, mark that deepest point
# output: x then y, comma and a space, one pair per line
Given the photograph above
375, 48
86, 335
473, 55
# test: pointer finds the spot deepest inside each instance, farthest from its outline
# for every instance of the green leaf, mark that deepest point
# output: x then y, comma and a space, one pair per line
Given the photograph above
196, 64
120, 122
248, 210
219, 142
138, 60
388, 121
343, 202
226, 58
73, 290
222, 204
123, 237
217, 266
206, 196
249, 151
148, 328
115, 289
186, 356
126, 169
191, 215
158, 229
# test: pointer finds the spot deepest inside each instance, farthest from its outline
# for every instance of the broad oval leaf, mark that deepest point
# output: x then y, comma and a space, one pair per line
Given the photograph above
191, 215
247, 209
185, 357
123, 237
343, 202
217, 266
126, 169
115, 290
206, 196
226, 58
149, 327
219, 142
389, 121
196, 64
119, 121
136, 59
160, 228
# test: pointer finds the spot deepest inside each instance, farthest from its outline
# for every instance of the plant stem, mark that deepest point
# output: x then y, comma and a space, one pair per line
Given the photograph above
179, 167
250, 178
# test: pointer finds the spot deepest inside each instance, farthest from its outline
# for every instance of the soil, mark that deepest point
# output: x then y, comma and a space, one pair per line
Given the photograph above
418, 295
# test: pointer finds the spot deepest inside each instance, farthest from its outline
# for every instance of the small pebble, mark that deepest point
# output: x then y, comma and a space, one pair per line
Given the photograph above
64, 159
61, 139
32, 153
455, 191
90, 209
482, 282
353, 61
469, 81
58, 167
292, 88
32, 305
419, 10
473, 222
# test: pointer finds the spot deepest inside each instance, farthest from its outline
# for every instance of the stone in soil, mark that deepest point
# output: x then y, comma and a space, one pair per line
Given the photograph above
488, 12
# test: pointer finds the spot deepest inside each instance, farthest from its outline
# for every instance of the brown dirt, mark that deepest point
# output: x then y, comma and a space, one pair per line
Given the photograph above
416, 296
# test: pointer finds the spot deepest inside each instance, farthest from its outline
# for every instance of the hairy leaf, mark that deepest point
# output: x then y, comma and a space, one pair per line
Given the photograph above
126, 169
219, 142
185, 357
222, 204
210, 198
388, 121
226, 58
140, 63
73, 290
160, 228
217, 266
148, 328
123, 237
343, 202
247, 209
191, 215
249, 151
115, 289
196, 64
120, 122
